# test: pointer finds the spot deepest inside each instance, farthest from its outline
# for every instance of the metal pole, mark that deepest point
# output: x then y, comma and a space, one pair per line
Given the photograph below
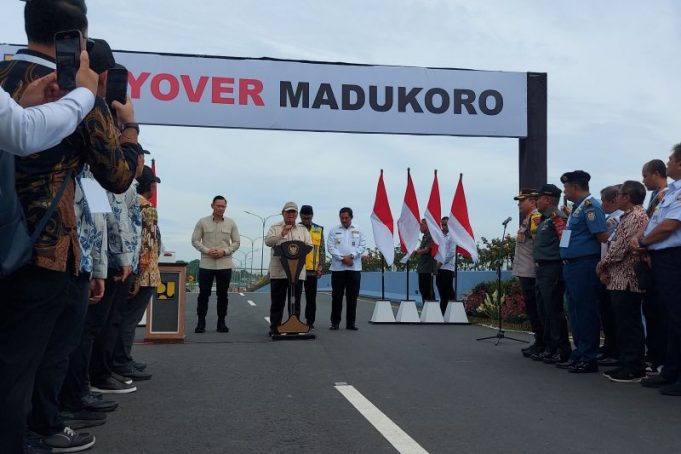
407, 273
382, 277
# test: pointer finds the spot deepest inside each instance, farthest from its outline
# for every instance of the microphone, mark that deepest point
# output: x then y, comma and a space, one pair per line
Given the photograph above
505, 223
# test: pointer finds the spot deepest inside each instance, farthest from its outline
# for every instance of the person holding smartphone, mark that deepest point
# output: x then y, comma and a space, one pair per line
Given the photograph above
41, 120
38, 323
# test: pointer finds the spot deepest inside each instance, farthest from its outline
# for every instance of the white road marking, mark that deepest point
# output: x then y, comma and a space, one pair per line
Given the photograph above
268, 320
241, 294
251, 303
391, 431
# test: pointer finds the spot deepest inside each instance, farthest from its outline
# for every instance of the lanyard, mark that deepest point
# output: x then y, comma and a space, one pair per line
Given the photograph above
579, 207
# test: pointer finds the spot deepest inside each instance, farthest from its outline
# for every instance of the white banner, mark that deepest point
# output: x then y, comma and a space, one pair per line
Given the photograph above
189, 90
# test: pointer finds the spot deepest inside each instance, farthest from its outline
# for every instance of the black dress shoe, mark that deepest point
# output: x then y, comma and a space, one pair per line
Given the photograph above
531, 350
566, 364
352, 328
222, 328
539, 356
655, 381
671, 390
584, 367
553, 359
333, 327
200, 326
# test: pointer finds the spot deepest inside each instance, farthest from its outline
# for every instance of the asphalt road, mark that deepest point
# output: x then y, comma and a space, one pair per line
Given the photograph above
240, 392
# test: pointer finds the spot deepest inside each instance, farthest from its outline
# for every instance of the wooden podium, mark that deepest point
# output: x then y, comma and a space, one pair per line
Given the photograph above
165, 314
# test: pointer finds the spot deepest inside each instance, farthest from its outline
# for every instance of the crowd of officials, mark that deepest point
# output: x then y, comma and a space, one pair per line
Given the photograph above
69, 313
612, 265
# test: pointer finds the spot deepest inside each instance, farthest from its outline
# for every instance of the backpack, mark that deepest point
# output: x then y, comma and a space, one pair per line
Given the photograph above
16, 245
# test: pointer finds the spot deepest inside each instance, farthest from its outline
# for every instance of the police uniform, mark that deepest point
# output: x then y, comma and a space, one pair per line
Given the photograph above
314, 261
666, 266
549, 281
524, 270
580, 250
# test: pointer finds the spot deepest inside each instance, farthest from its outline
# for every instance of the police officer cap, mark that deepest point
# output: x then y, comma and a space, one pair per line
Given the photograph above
148, 176
306, 210
577, 176
550, 190
101, 56
526, 193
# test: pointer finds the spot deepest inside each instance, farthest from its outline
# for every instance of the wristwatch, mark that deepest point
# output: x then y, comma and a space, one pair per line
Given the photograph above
134, 126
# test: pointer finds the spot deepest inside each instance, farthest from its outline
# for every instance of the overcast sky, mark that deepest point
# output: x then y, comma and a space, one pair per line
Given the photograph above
613, 94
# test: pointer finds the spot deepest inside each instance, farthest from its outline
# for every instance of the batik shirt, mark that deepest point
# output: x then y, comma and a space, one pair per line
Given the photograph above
39, 176
149, 275
618, 263
91, 229
124, 225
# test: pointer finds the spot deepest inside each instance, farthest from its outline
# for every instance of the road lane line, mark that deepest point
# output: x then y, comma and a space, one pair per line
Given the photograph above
268, 320
251, 303
391, 431
241, 294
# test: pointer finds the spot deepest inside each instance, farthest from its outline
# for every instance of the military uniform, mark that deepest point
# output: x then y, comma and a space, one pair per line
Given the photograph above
549, 281
580, 250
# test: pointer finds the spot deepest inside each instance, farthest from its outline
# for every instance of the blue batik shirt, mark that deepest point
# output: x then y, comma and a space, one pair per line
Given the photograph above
124, 225
91, 233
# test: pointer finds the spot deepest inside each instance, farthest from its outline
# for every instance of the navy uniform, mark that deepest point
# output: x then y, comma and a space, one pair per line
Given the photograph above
549, 281
580, 250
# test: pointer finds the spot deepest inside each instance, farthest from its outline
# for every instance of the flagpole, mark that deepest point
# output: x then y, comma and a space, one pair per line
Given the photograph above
456, 273
382, 277
407, 273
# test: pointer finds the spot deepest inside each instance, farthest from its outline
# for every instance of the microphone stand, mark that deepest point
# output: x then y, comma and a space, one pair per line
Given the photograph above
500, 332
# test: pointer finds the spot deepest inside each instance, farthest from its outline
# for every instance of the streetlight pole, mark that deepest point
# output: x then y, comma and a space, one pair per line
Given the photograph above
263, 220
252, 255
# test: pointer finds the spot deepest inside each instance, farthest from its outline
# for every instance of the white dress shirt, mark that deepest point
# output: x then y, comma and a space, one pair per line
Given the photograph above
27, 131
342, 242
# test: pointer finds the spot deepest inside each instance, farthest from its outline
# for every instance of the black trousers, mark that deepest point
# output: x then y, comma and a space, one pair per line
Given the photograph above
66, 335
279, 291
528, 288
626, 308
106, 322
550, 291
608, 321
656, 325
344, 283
206, 278
444, 281
131, 316
667, 281
32, 299
426, 287
310, 285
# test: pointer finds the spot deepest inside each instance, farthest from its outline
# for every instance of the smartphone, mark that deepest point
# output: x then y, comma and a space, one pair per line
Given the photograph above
117, 85
67, 46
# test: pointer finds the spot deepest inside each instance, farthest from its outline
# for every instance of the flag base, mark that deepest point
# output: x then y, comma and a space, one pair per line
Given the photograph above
431, 312
456, 313
383, 313
407, 313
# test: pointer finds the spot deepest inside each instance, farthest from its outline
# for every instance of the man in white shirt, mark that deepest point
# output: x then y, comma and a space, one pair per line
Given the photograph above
346, 244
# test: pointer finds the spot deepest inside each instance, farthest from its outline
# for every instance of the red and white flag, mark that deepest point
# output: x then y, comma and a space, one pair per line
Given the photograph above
460, 226
433, 221
408, 225
382, 223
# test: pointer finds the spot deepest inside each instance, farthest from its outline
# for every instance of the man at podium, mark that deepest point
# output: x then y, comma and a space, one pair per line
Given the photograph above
286, 230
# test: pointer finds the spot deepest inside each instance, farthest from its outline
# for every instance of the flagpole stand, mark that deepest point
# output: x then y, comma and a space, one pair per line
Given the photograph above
500, 332
407, 312
456, 313
383, 313
431, 313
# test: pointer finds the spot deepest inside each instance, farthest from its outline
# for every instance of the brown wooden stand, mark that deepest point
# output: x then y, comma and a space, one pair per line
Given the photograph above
165, 314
